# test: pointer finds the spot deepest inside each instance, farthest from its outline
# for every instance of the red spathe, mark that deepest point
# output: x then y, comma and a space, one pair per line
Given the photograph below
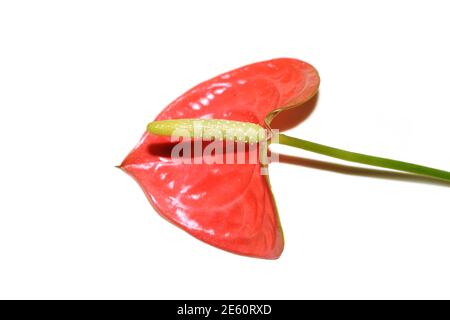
229, 206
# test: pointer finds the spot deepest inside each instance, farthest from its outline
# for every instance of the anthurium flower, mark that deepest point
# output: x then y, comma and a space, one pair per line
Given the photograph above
229, 204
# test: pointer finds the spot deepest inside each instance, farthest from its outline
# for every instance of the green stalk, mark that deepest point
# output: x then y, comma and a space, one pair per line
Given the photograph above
251, 132
363, 158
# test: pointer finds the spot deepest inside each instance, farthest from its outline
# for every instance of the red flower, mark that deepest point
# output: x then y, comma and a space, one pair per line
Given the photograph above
229, 206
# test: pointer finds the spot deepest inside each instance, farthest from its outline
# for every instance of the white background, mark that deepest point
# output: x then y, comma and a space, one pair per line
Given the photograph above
79, 80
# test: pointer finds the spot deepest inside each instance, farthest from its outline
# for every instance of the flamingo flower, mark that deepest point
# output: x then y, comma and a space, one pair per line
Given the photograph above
229, 206
223, 203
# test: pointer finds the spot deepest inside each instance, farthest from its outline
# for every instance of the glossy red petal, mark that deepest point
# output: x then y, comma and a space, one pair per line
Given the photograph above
229, 206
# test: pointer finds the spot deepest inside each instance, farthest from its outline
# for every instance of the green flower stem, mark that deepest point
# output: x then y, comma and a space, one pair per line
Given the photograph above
250, 132
363, 158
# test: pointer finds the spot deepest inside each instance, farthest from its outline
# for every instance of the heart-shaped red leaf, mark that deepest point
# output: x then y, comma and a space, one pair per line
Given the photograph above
229, 206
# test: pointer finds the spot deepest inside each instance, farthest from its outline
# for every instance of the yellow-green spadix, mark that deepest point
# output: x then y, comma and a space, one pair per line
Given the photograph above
208, 129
